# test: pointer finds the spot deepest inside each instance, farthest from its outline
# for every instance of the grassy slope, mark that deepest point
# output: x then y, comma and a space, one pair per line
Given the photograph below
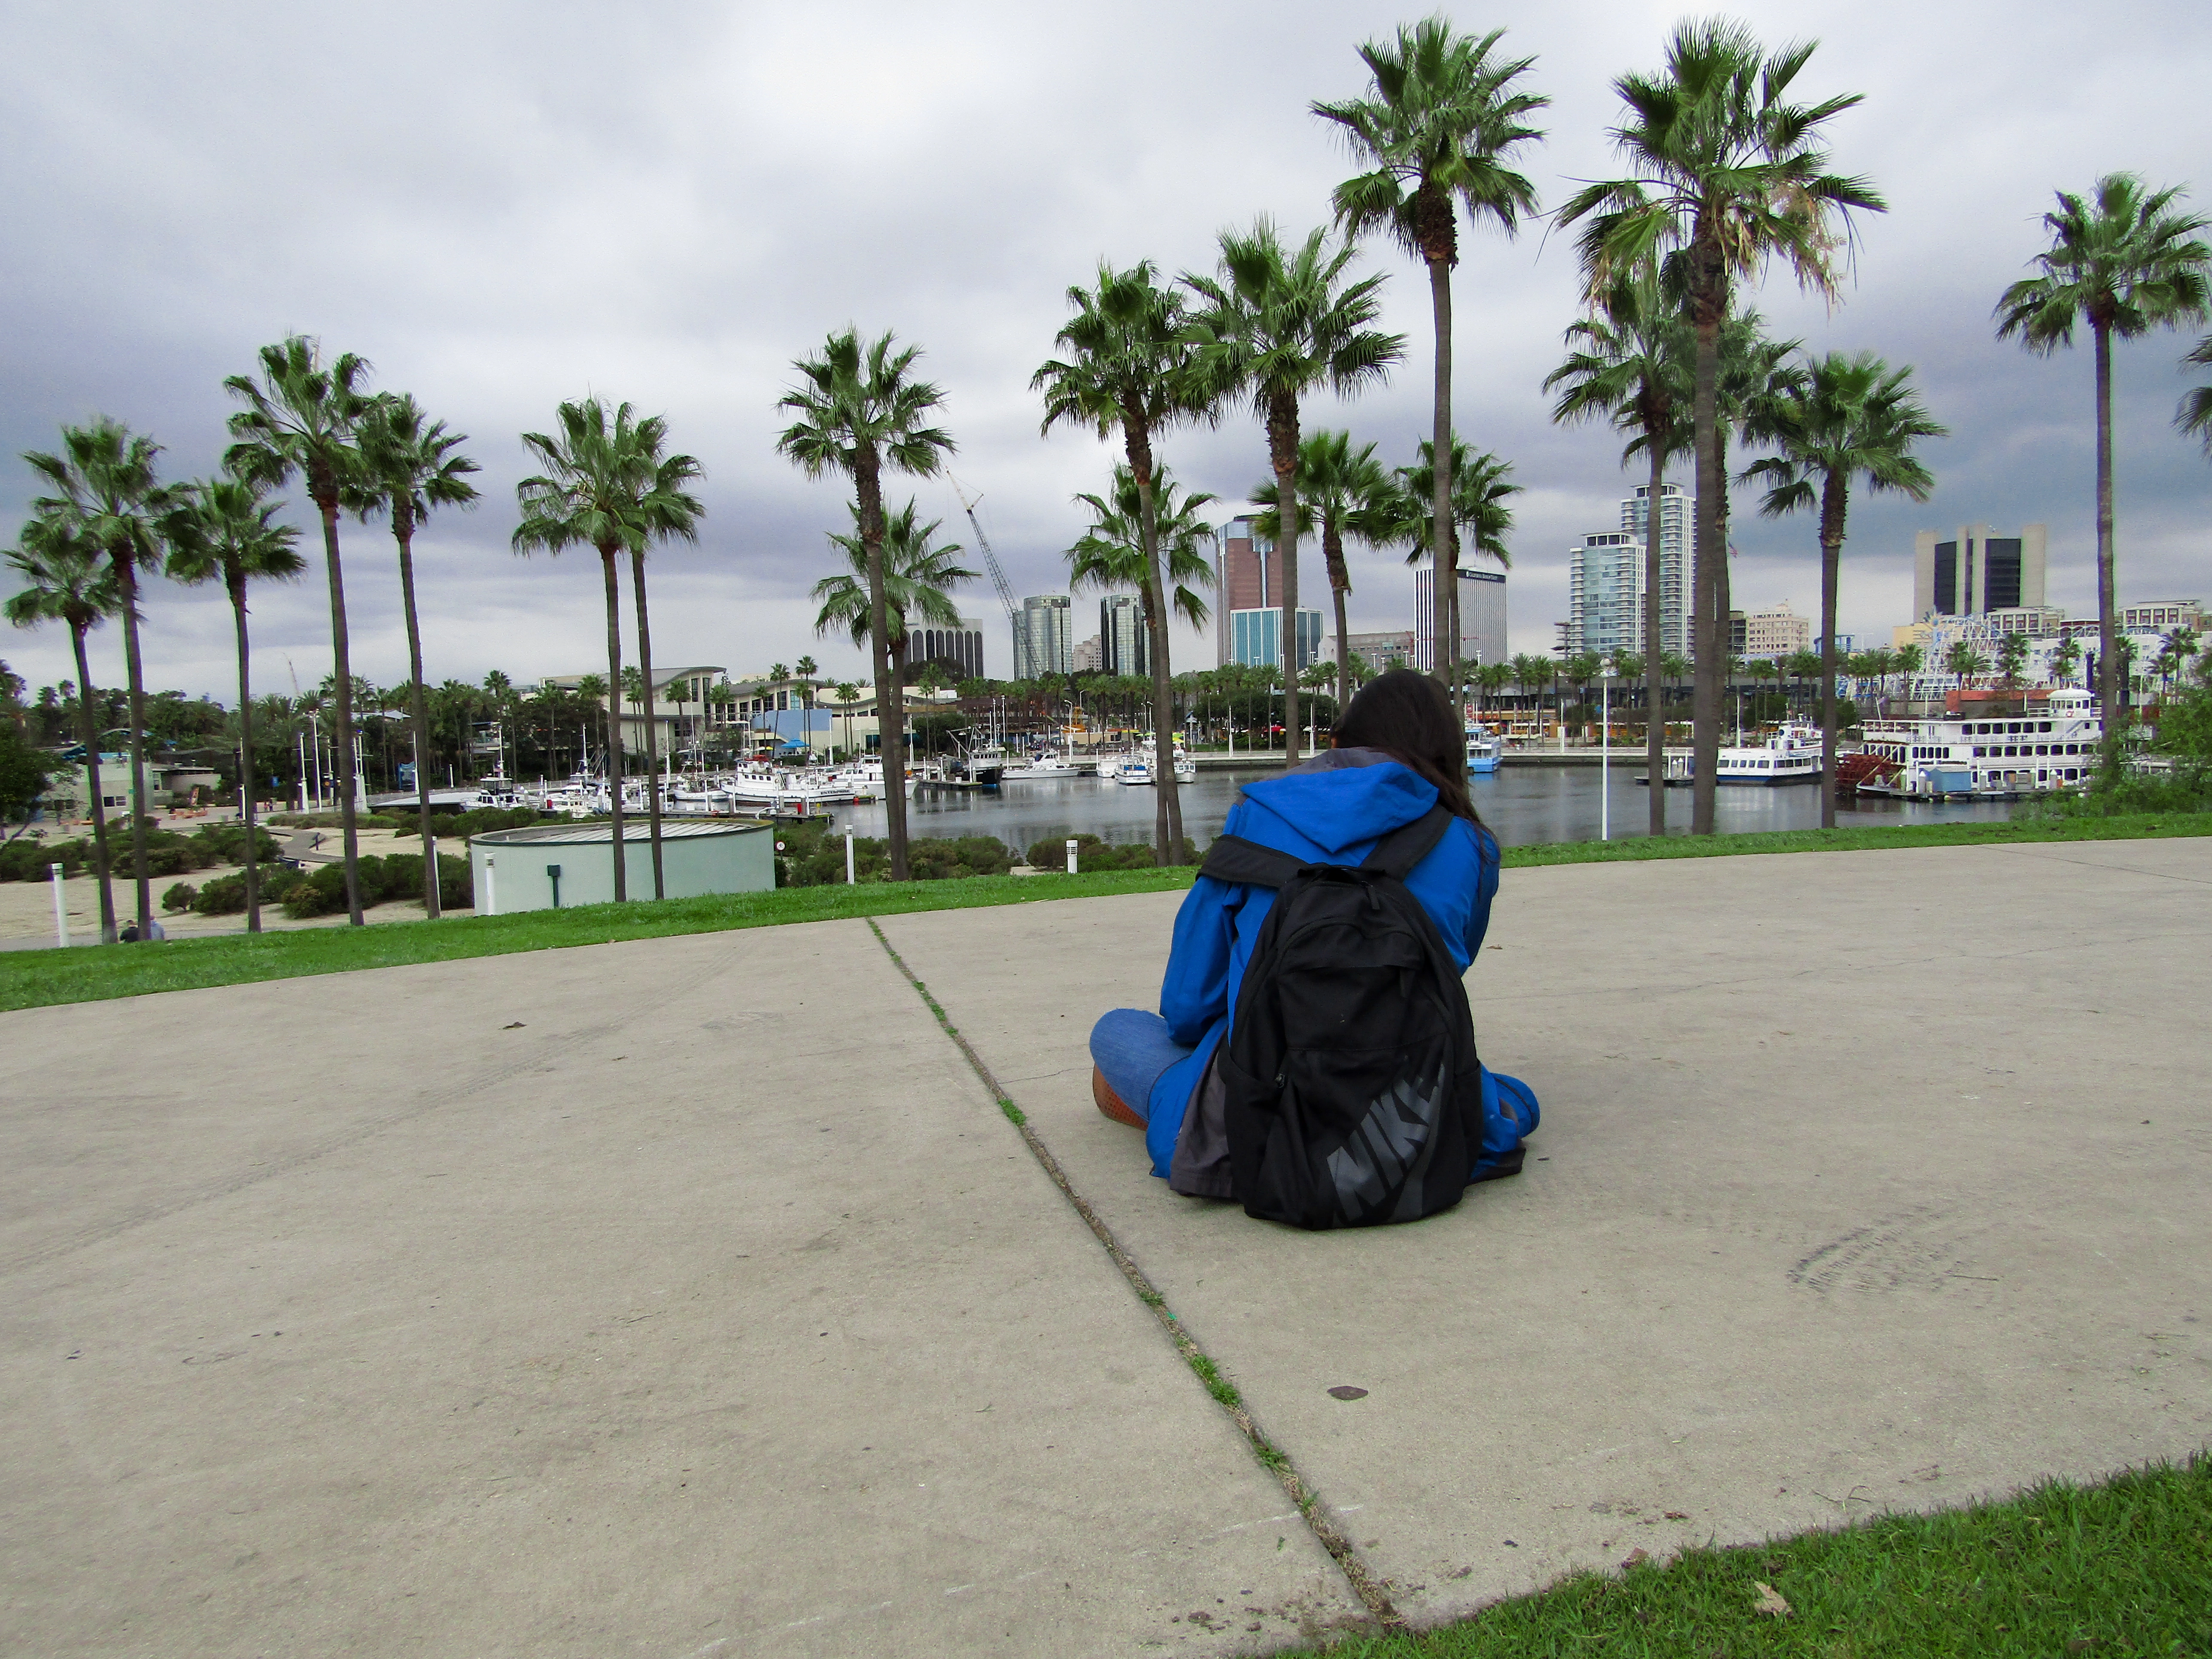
2122, 1567
30, 979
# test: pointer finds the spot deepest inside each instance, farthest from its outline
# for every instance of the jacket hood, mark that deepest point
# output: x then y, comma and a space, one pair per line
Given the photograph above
1343, 796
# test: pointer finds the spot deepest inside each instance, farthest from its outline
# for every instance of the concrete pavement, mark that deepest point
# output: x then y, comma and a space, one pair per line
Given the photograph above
690, 1296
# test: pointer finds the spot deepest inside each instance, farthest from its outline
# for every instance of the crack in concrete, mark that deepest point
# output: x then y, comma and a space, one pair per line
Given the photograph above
1366, 1584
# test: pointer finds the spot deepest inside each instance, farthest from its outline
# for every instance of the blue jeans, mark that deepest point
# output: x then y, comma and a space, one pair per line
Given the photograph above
1133, 1049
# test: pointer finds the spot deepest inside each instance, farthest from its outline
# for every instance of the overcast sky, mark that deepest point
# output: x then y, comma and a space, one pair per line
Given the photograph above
504, 205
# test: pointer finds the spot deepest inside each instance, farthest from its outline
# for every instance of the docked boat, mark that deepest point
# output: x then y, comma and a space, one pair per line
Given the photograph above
2050, 744
1132, 768
1485, 749
1792, 755
1141, 767
1044, 767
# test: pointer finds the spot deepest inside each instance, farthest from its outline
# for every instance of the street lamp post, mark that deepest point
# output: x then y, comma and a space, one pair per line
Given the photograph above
1605, 754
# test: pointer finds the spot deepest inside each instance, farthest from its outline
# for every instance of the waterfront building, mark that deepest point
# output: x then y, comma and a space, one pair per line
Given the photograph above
1380, 651
1780, 632
1605, 595
1675, 528
1255, 638
2161, 615
1971, 572
700, 710
1042, 641
959, 649
1089, 653
1247, 577
1123, 645
1482, 616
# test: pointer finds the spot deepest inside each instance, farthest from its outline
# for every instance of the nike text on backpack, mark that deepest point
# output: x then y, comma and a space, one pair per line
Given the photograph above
1354, 1095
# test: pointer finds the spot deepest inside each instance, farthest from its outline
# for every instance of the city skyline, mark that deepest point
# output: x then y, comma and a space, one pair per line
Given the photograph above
455, 241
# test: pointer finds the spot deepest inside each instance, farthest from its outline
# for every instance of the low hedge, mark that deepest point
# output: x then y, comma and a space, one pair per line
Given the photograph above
1092, 853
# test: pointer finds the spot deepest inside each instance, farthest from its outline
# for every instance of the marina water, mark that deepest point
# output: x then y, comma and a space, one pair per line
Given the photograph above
1521, 805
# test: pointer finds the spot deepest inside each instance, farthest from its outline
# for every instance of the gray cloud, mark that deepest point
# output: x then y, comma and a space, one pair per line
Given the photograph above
504, 205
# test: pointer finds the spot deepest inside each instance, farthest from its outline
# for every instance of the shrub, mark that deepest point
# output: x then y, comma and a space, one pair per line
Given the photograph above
455, 826
810, 855
1092, 853
321, 891
225, 843
226, 894
330, 821
180, 896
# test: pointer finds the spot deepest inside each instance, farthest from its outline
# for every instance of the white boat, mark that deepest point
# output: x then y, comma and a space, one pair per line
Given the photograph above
1132, 768
2051, 744
1049, 765
1484, 748
1792, 755
1139, 767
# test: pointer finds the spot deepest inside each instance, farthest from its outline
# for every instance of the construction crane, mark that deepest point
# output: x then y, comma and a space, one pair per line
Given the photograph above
998, 580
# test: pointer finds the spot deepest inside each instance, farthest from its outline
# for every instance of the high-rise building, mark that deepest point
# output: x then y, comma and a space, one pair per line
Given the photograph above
1971, 572
1089, 653
1255, 638
1043, 644
1780, 632
960, 649
1482, 616
1247, 577
1605, 595
1675, 527
1380, 651
1123, 647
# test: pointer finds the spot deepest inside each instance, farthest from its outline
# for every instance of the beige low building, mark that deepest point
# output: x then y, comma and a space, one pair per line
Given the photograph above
1780, 632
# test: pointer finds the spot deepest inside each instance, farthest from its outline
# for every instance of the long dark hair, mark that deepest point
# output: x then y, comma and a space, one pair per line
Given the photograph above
1408, 716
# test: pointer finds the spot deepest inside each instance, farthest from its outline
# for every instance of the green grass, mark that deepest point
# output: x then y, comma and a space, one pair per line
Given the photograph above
32, 979
2123, 1567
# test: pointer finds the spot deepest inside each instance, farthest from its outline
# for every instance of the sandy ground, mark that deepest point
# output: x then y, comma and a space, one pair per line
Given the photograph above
27, 907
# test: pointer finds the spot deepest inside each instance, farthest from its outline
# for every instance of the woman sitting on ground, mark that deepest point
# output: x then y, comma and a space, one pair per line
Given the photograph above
1398, 752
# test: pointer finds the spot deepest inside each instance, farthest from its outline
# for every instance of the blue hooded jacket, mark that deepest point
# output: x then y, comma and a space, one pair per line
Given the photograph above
1331, 810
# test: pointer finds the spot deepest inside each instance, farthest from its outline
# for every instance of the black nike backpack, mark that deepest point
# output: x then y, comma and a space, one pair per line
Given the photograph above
1353, 1091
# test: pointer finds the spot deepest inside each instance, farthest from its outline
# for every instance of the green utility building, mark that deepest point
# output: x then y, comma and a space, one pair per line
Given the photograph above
552, 866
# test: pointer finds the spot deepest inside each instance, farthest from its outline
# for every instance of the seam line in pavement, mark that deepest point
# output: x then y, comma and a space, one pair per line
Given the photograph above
1364, 1584
2025, 850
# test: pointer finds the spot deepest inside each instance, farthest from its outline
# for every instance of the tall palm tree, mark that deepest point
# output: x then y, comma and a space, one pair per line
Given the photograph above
66, 580
2126, 261
104, 483
608, 486
1725, 170
302, 420
1346, 491
1276, 325
858, 410
410, 466
1126, 365
917, 574
1438, 126
1481, 487
1625, 362
1838, 419
226, 532
2195, 415
1112, 554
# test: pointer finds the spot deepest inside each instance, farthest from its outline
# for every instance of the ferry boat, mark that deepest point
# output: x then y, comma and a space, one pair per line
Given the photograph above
1484, 748
2051, 743
1792, 755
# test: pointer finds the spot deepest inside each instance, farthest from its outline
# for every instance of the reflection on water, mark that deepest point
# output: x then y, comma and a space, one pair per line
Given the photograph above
1521, 805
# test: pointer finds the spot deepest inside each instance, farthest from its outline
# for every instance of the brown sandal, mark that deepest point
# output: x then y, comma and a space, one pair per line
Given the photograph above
1111, 1104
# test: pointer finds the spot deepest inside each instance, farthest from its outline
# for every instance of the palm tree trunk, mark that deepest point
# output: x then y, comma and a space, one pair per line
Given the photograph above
1655, 690
1283, 443
403, 532
342, 661
1339, 583
127, 579
90, 723
2109, 666
1167, 805
1831, 559
652, 726
1711, 644
1440, 505
890, 706
614, 721
252, 866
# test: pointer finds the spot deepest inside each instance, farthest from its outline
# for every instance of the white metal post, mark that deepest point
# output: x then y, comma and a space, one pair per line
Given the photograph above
490, 906
61, 909
850, 879
1072, 845
1605, 759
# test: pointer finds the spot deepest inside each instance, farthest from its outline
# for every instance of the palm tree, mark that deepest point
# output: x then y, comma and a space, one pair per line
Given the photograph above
2012, 661
2195, 415
1727, 173
409, 465
1126, 366
916, 574
1349, 491
1437, 128
608, 486
105, 485
1964, 661
225, 531
66, 581
304, 422
1625, 362
1481, 486
1276, 325
1112, 554
1838, 419
2126, 261
858, 411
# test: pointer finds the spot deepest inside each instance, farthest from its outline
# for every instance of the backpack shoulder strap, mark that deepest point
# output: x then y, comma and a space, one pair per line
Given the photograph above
1397, 853
1233, 859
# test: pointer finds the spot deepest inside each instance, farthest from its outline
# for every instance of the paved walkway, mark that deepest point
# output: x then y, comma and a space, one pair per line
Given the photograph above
691, 1297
